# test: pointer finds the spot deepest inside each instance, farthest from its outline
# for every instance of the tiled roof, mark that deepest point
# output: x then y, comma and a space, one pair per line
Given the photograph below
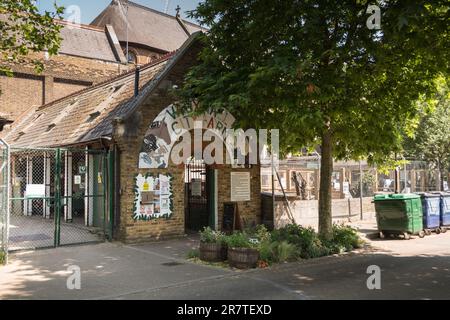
146, 26
87, 115
87, 42
83, 116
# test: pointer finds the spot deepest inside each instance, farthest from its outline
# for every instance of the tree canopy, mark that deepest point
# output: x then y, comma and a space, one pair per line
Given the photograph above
315, 71
23, 29
431, 140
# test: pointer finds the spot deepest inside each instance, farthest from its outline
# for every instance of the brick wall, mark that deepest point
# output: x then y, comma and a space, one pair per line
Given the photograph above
129, 145
143, 55
62, 76
20, 93
249, 211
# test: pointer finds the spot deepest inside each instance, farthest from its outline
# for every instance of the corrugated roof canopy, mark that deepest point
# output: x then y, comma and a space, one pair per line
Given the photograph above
146, 26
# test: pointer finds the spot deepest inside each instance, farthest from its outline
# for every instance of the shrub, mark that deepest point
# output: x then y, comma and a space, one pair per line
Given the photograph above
306, 240
207, 235
345, 238
277, 251
240, 240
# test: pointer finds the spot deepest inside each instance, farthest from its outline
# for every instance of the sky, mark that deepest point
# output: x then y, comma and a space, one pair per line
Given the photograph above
89, 9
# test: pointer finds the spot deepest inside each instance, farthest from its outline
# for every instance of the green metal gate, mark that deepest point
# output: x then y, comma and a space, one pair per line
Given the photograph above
4, 193
58, 197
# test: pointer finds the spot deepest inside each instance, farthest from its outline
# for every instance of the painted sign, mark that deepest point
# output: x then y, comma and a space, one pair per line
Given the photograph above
35, 191
77, 180
240, 186
166, 129
153, 197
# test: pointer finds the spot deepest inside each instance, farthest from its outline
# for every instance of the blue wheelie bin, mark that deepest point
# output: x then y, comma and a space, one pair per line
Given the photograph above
431, 212
445, 211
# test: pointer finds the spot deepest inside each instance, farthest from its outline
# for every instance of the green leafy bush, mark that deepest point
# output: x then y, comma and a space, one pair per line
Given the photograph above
306, 240
345, 238
277, 251
240, 240
208, 235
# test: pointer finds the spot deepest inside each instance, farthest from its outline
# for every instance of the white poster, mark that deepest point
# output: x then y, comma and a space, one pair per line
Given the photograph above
196, 187
153, 197
240, 186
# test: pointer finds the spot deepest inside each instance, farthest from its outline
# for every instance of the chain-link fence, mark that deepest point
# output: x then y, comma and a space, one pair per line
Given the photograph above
57, 197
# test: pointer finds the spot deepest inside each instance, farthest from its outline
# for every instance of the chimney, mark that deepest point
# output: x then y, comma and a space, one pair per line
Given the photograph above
136, 80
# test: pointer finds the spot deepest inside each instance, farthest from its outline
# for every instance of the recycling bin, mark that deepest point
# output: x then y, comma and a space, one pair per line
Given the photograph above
399, 215
431, 208
445, 211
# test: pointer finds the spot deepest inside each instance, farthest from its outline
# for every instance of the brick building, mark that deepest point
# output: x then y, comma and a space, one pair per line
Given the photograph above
131, 118
91, 54
88, 55
149, 33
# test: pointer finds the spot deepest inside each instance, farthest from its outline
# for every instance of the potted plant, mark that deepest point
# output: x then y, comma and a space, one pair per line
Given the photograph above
242, 251
212, 245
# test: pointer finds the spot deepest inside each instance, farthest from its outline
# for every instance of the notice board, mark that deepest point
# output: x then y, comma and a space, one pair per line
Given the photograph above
240, 186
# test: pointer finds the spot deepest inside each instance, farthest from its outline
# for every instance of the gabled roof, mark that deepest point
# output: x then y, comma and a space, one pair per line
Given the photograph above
88, 115
146, 26
86, 41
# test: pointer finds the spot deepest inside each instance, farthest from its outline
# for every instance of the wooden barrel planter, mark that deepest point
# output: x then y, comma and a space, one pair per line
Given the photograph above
243, 258
213, 252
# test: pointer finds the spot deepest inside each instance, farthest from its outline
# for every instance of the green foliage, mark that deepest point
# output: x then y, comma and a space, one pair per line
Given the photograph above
313, 70
277, 251
240, 240
208, 235
24, 30
258, 232
431, 142
310, 63
193, 254
344, 239
2, 257
305, 239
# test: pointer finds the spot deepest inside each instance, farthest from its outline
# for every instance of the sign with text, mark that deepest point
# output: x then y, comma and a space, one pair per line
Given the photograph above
240, 186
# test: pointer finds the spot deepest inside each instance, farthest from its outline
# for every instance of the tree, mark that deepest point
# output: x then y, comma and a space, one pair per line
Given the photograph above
431, 141
314, 70
23, 29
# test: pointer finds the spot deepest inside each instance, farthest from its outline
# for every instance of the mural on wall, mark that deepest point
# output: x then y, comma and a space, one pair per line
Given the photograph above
168, 126
153, 197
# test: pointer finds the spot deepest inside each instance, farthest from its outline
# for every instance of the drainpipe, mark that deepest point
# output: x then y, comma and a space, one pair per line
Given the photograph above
136, 80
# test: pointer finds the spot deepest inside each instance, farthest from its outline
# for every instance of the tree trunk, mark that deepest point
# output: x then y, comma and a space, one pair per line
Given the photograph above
325, 192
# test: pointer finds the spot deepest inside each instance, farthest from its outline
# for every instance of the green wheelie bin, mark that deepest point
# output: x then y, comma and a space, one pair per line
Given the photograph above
399, 215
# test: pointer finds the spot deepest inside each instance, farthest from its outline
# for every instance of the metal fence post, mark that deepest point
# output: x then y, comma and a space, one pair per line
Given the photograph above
57, 196
111, 183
